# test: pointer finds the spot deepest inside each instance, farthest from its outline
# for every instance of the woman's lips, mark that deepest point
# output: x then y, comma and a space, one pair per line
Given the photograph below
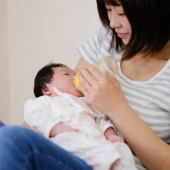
121, 35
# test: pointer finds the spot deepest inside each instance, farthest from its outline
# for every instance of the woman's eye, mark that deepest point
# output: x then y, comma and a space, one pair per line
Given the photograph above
108, 9
121, 14
66, 74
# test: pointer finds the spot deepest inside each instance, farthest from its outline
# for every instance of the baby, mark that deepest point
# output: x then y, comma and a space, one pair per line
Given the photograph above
64, 116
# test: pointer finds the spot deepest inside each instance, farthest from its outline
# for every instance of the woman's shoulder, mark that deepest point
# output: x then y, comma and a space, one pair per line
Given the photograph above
104, 30
104, 34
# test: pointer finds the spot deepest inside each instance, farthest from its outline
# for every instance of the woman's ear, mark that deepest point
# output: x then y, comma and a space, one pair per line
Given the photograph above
46, 91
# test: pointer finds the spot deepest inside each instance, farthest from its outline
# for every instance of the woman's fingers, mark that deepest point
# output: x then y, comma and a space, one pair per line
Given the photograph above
89, 76
92, 80
95, 73
109, 76
84, 84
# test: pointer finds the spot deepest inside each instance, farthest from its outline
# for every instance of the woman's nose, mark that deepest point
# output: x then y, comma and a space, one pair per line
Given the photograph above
114, 22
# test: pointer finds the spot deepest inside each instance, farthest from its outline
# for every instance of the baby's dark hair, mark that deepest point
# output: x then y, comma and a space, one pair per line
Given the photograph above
44, 76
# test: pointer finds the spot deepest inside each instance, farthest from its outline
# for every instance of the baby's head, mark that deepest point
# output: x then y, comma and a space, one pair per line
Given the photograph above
55, 75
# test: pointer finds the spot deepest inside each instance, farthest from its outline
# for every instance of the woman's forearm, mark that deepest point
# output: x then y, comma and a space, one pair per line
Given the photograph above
148, 147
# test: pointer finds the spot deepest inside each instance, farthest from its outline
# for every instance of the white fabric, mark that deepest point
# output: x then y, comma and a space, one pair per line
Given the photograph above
89, 143
99, 153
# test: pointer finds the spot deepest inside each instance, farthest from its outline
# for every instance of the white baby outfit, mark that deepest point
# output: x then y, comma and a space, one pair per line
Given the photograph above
89, 143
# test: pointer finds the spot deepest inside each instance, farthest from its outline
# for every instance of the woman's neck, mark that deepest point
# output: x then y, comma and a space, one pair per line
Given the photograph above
142, 68
163, 54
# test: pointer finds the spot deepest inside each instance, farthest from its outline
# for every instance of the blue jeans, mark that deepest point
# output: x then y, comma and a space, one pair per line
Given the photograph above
21, 148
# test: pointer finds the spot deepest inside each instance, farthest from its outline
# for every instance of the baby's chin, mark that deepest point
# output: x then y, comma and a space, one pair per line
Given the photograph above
78, 93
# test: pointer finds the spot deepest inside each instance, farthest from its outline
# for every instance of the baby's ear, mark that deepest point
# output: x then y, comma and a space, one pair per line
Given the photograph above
46, 91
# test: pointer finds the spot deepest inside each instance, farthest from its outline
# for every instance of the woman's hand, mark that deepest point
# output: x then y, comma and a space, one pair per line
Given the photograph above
103, 92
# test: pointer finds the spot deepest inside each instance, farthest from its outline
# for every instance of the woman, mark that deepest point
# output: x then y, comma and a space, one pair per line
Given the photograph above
138, 102
141, 30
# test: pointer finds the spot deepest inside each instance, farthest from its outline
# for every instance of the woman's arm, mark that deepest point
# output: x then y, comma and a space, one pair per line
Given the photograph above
149, 148
106, 96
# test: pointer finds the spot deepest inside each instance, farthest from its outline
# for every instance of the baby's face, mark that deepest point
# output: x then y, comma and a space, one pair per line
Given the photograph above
63, 80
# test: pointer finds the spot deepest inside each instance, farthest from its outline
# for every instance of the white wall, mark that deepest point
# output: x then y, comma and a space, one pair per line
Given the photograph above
4, 73
40, 31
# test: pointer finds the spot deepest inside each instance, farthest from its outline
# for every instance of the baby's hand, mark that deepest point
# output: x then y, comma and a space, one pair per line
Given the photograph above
115, 138
60, 128
111, 135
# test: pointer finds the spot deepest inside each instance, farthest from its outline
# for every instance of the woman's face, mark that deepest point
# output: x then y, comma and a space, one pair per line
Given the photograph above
119, 22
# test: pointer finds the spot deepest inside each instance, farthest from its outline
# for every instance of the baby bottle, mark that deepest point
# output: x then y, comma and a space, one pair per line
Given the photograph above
104, 64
